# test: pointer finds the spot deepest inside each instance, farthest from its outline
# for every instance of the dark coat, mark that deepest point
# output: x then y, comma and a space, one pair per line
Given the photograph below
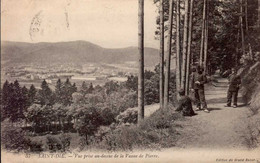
198, 77
234, 82
185, 106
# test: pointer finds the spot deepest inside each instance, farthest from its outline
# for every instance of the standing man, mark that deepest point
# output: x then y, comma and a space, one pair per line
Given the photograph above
234, 82
197, 85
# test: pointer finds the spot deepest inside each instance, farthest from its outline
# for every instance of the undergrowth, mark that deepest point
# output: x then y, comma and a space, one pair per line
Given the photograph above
155, 132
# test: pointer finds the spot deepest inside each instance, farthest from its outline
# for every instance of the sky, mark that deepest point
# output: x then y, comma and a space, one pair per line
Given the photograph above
108, 23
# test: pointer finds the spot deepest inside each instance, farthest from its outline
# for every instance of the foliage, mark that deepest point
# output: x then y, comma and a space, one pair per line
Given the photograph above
40, 116
131, 82
111, 87
36, 146
250, 81
151, 85
58, 91
88, 121
62, 143
128, 116
108, 116
255, 100
32, 95
13, 138
149, 134
14, 101
45, 95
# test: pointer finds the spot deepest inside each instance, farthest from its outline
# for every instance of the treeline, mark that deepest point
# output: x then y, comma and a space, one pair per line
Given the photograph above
77, 109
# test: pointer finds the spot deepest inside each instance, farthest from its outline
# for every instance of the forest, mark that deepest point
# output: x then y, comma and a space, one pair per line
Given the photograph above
217, 35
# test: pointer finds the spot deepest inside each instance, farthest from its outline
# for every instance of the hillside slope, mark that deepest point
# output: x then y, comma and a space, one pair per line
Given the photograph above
78, 52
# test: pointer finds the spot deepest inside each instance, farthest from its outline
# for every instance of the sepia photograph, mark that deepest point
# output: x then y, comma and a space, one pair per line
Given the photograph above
130, 81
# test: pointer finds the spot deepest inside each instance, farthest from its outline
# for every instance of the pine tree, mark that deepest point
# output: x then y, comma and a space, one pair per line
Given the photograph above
90, 88
161, 52
67, 93
189, 49
15, 102
25, 98
168, 57
58, 91
206, 38
45, 96
202, 34
178, 55
74, 88
241, 22
185, 44
32, 95
5, 93
5, 99
84, 88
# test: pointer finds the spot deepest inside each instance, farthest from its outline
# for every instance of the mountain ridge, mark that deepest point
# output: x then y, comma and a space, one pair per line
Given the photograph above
72, 52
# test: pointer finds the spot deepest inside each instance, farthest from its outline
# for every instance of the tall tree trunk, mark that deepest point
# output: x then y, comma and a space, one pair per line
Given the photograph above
189, 49
237, 47
258, 14
161, 52
206, 38
168, 57
242, 27
246, 21
202, 33
178, 64
141, 61
185, 43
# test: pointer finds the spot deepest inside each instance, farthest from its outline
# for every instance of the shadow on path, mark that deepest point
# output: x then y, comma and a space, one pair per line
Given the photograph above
212, 109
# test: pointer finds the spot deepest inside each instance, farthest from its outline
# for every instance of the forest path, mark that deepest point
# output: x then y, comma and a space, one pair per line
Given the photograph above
222, 128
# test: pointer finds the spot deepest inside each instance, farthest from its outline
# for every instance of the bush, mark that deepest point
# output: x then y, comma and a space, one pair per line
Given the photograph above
154, 132
128, 116
125, 138
108, 116
36, 146
53, 143
65, 141
255, 100
161, 119
13, 138
89, 119
61, 143
250, 82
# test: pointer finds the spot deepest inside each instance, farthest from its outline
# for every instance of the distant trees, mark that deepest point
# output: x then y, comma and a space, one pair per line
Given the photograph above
14, 101
45, 95
58, 91
32, 95
63, 92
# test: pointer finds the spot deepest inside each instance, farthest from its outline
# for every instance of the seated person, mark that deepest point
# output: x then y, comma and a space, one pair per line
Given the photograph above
185, 105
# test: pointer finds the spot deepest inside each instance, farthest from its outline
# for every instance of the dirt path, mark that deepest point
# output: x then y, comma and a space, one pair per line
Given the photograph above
221, 128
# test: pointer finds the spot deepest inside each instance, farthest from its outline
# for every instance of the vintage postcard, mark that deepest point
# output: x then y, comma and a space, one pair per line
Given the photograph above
130, 81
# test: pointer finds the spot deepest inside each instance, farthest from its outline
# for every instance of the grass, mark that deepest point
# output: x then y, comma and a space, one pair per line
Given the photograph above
74, 143
155, 132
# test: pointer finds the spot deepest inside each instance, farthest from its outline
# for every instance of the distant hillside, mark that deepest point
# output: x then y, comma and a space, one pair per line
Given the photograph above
78, 52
